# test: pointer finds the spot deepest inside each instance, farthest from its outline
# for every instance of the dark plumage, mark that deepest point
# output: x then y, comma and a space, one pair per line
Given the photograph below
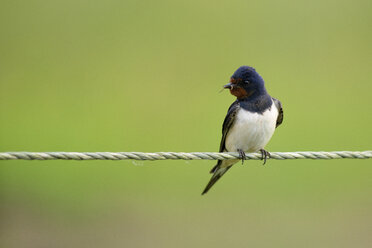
249, 88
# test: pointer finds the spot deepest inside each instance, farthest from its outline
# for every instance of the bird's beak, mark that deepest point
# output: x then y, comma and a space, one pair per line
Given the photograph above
228, 86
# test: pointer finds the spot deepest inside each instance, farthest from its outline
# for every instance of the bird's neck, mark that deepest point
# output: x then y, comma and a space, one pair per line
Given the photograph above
257, 102
252, 94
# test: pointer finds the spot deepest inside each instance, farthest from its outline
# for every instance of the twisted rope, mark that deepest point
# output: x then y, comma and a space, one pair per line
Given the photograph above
178, 155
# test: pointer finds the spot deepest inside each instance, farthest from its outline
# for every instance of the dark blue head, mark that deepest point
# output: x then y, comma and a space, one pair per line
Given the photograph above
246, 82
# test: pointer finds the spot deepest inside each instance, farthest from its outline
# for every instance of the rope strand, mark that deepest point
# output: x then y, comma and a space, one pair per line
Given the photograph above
179, 155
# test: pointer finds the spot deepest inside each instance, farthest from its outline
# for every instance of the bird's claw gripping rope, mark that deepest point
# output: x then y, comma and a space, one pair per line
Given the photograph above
264, 155
241, 155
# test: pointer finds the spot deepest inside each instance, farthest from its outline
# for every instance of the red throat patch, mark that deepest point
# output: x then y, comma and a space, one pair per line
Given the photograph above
238, 92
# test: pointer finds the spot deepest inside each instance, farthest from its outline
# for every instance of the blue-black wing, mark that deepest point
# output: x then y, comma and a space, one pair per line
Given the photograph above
227, 124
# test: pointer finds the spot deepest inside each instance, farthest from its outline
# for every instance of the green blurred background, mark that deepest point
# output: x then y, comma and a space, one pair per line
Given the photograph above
145, 76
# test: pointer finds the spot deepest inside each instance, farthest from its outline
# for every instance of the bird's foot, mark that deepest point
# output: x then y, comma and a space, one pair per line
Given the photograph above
241, 155
264, 155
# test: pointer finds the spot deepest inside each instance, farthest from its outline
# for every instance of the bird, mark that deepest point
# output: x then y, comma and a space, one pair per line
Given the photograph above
250, 121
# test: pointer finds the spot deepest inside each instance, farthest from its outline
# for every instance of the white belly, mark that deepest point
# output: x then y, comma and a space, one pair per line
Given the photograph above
251, 131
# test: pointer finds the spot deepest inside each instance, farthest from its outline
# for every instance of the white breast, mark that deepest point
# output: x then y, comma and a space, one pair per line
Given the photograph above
251, 131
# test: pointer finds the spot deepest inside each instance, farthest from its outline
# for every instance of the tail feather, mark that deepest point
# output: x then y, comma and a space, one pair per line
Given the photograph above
213, 170
218, 173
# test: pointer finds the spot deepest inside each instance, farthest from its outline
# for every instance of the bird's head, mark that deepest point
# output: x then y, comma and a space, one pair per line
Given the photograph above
246, 82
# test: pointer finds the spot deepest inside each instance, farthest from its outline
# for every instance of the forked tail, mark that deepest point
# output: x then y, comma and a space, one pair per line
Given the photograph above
217, 174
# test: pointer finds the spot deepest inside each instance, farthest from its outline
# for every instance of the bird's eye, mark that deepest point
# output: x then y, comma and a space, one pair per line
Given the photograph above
247, 82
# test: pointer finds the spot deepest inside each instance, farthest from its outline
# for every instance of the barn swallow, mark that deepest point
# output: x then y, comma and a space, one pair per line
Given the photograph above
250, 121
